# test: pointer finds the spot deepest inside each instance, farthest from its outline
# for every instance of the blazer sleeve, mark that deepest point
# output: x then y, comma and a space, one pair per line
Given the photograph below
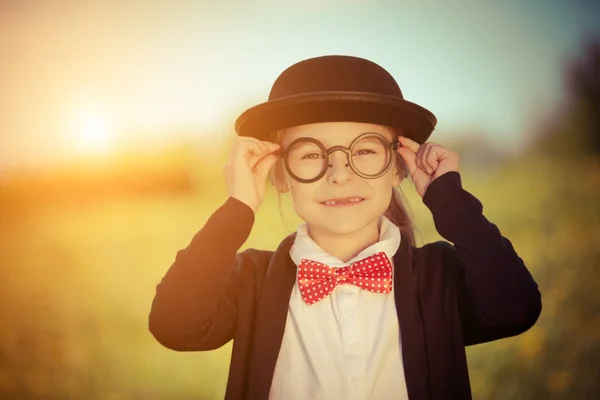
195, 306
497, 296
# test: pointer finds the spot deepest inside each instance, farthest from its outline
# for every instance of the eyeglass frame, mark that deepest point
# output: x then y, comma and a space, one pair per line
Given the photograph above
348, 150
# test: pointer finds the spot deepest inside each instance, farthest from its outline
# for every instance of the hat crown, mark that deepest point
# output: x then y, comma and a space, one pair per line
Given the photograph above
334, 73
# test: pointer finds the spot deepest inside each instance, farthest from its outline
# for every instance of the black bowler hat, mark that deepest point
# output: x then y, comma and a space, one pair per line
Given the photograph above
335, 88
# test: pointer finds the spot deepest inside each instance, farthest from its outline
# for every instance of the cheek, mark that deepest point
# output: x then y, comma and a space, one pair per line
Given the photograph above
383, 190
299, 192
302, 201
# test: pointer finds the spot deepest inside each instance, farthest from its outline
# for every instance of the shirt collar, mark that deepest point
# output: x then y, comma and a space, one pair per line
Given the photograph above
305, 247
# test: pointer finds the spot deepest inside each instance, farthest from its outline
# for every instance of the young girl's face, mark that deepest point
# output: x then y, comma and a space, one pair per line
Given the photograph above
360, 201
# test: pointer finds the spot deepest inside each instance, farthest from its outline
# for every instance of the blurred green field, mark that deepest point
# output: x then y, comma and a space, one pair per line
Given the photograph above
77, 282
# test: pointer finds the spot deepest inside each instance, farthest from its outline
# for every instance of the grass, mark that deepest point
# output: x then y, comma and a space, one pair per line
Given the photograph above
77, 283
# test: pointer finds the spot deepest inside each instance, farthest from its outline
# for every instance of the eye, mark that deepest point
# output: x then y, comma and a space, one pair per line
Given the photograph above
312, 156
363, 152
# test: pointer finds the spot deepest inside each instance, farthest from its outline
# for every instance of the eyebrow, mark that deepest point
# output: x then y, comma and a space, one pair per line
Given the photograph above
354, 138
328, 146
371, 139
304, 144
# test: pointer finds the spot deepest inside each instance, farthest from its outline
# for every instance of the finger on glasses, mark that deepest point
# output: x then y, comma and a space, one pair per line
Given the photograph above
429, 159
258, 143
409, 143
419, 157
269, 145
248, 153
409, 158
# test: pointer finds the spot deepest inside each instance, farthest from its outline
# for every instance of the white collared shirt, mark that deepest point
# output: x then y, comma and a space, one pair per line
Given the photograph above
346, 346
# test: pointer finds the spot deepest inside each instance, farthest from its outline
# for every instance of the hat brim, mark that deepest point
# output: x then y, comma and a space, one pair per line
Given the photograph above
266, 118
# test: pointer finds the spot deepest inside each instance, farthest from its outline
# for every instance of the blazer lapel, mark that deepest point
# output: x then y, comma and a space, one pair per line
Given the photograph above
412, 335
271, 317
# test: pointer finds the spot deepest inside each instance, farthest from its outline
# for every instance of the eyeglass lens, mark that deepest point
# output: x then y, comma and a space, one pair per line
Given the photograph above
369, 156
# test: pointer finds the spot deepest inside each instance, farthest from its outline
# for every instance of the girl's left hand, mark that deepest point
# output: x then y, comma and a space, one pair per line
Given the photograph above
426, 162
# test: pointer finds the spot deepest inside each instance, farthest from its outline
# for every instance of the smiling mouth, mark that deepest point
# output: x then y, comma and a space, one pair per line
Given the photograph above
343, 202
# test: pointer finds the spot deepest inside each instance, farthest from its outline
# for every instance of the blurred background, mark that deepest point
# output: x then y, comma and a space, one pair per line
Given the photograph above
116, 119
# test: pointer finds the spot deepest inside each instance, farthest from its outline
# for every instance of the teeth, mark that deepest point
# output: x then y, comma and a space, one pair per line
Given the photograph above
352, 200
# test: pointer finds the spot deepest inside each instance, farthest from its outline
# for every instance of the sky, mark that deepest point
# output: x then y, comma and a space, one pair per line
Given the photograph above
82, 78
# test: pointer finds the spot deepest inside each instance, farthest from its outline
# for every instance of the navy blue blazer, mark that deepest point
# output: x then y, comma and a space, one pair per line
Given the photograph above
472, 288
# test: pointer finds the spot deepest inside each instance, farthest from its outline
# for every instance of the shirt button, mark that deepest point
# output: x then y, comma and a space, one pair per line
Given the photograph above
348, 312
353, 347
353, 380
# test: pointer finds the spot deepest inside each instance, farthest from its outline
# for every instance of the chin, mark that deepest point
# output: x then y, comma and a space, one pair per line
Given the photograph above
342, 225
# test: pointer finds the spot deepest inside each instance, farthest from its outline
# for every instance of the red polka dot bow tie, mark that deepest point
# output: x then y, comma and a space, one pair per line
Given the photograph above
317, 280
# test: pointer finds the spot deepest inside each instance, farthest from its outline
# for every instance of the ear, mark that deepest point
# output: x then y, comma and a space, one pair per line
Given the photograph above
397, 179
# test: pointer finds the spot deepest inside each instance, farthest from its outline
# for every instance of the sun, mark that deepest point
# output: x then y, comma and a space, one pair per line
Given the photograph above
94, 132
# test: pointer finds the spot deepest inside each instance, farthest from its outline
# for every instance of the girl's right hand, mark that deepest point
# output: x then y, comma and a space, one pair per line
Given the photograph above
247, 169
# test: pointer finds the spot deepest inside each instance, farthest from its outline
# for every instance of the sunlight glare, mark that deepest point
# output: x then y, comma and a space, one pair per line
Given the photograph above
93, 132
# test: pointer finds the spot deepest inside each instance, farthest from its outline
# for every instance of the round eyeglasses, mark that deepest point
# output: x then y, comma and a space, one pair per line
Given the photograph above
370, 156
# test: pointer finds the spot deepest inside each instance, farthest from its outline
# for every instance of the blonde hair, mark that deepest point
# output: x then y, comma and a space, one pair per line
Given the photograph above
397, 212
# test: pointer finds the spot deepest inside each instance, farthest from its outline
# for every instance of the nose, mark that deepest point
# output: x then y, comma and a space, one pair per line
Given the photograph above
339, 171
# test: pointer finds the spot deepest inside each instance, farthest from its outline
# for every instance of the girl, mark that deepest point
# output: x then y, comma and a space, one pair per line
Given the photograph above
347, 307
